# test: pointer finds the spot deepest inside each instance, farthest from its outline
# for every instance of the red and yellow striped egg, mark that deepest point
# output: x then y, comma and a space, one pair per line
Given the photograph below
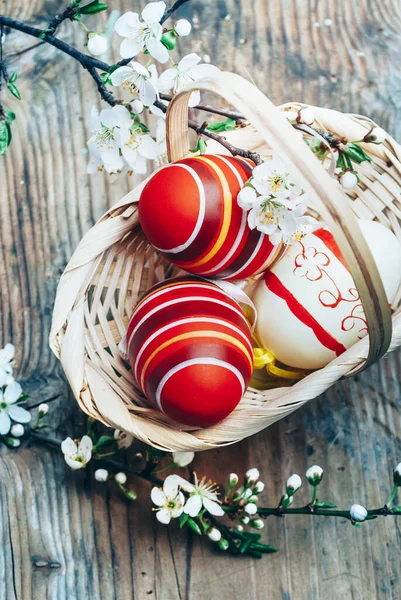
189, 212
190, 348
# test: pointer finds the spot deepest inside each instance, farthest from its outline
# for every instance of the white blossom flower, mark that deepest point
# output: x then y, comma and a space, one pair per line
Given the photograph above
183, 27
214, 534
274, 220
6, 358
314, 474
259, 487
110, 129
358, 513
43, 409
9, 410
139, 148
77, 455
97, 43
187, 70
101, 475
251, 509
306, 116
17, 430
252, 475
182, 459
121, 478
138, 80
13, 443
348, 180
143, 34
271, 178
202, 493
170, 500
124, 440
293, 484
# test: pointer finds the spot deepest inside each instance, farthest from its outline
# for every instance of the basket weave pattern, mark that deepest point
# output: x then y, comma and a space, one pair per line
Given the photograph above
114, 264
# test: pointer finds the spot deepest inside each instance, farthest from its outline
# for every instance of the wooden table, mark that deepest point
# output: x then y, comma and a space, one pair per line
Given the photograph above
64, 536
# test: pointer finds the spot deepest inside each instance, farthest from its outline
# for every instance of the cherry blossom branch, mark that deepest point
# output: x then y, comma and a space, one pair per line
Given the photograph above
68, 13
172, 10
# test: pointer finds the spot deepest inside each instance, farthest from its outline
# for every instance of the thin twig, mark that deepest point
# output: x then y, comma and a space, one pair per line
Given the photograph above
172, 9
230, 114
103, 91
67, 13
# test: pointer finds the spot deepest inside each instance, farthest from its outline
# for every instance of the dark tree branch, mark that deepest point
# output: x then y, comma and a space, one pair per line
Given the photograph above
172, 9
68, 13
230, 114
103, 91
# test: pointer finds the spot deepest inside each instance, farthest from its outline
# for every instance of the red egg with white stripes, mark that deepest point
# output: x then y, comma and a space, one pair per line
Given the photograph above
189, 212
190, 348
309, 310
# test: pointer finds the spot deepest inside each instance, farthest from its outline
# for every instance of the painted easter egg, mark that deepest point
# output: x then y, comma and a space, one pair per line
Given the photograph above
190, 348
189, 212
309, 311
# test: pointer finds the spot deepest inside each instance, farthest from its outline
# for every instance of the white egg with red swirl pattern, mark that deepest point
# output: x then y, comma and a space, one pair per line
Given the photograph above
309, 310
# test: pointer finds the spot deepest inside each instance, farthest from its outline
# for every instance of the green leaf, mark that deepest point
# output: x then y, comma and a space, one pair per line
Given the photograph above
13, 77
10, 116
75, 3
4, 137
169, 39
105, 77
194, 526
340, 161
226, 125
14, 90
357, 154
183, 519
325, 505
104, 441
93, 8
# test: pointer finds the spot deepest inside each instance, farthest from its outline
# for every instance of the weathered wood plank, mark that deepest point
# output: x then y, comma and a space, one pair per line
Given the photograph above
91, 543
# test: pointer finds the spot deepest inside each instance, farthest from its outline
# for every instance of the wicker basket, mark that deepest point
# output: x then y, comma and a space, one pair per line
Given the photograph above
114, 264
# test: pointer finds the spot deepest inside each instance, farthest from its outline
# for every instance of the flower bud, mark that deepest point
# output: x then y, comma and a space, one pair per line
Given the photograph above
223, 544
131, 495
306, 116
238, 528
97, 44
232, 480
376, 135
183, 27
358, 513
293, 484
252, 475
348, 180
287, 501
259, 487
121, 478
251, 509
137, 105
247, 494
257, 524
17, 430
314, 475
214, 534
397, 475
253, 498
101, 475
43, 409
245, 520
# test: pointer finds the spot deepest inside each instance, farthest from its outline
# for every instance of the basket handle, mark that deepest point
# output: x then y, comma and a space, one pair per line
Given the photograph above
323, 192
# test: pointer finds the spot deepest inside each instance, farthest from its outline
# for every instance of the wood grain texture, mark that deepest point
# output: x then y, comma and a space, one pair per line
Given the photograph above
62, 535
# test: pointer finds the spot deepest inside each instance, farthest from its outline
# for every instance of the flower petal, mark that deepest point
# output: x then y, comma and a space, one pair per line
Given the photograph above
214, 508
182, 459
7, 353
74, 464
247, 198
5, 422
68, 446
120, 75
194, 99
167, 79
158, 497
130, 48
147, 93
12, 393
123, 116
3, 377
185, 485
19, 414
127, 24
189, 61
85, 447
157, 50
203, 70
153, 12
148, 148
193, 505
180, 501
170, 487
163, 516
